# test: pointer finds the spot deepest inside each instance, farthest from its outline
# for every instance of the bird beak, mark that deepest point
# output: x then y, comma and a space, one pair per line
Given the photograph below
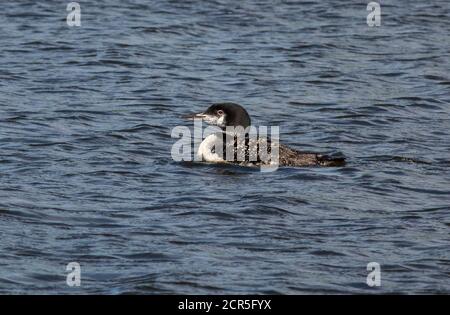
193, 116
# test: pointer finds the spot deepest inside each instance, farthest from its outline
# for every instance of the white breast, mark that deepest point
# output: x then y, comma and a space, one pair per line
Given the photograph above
211, 142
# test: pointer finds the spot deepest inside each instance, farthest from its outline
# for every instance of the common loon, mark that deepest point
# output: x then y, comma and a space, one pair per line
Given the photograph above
226, 115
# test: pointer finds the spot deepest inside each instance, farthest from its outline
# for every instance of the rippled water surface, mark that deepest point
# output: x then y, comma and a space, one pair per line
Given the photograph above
86, 173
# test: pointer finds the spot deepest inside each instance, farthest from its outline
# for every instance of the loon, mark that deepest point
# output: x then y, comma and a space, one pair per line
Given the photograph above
225, 115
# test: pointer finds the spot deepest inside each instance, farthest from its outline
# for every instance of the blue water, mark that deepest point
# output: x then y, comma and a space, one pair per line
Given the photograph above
86, 173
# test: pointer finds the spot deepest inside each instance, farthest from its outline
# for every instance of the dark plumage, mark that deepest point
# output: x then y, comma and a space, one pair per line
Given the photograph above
291, 157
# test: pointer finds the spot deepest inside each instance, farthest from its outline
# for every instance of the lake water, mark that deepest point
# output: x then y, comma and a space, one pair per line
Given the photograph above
86, 173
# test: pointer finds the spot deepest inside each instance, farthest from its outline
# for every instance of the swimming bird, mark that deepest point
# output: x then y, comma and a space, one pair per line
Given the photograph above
233, 116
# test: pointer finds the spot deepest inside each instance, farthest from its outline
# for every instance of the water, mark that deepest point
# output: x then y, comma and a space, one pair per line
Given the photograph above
86, 173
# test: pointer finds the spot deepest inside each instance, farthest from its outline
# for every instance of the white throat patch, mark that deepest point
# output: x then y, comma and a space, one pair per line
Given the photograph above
214, 120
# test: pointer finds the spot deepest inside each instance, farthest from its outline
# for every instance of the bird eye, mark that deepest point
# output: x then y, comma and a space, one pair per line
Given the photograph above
220, 112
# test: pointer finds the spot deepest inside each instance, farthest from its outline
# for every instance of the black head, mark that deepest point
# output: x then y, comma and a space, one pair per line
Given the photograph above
225, 114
